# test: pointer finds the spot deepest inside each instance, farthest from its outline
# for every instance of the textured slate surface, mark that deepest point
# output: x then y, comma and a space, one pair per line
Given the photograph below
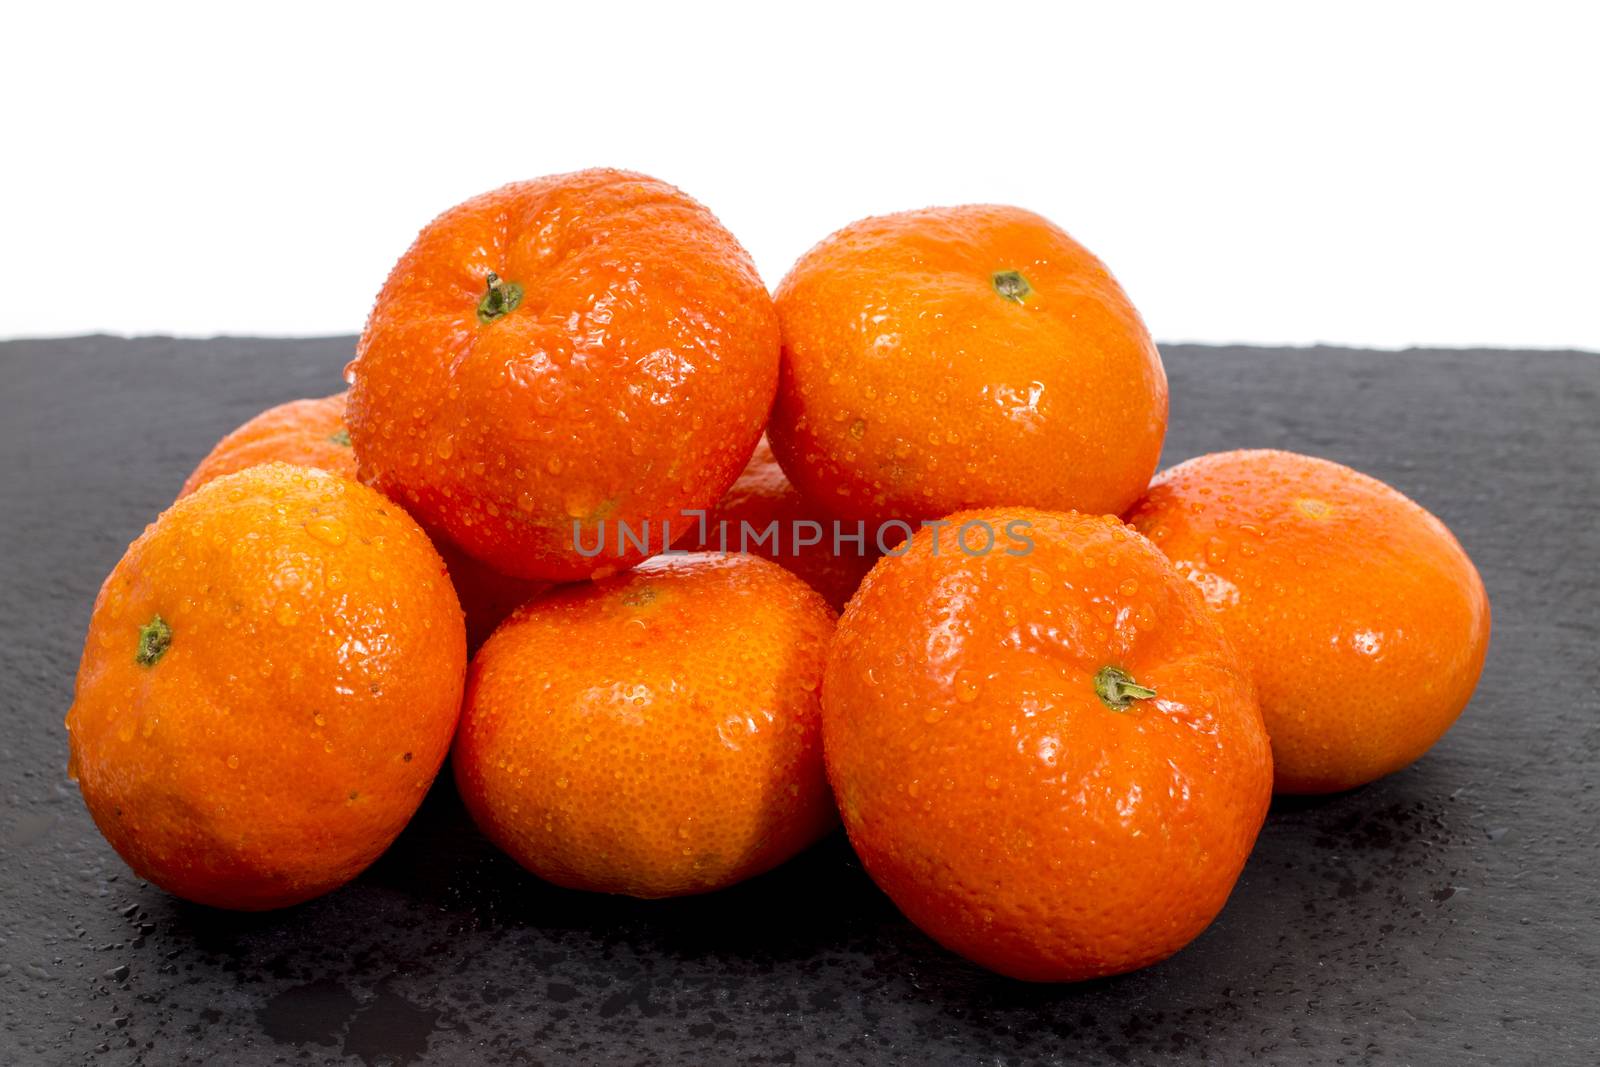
1449, 914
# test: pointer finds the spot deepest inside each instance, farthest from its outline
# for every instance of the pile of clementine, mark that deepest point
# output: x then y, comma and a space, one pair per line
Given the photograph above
682, 575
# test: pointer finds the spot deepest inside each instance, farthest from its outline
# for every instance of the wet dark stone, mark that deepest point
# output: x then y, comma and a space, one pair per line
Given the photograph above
1445, 915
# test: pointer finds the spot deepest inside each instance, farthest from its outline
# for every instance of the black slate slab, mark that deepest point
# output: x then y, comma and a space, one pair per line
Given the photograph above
1449, 914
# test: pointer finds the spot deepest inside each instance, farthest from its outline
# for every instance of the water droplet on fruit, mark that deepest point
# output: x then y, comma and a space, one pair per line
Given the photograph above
286, 614
446, 447
1317, 510
1128, 587
966, 687
328, 530
233, 763
1038, 581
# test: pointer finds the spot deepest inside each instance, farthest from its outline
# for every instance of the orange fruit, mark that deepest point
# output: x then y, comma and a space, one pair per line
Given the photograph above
558, 357
1046, 753
1363, 620
269, 684
679, 754
309, 433
963, 357
764, 514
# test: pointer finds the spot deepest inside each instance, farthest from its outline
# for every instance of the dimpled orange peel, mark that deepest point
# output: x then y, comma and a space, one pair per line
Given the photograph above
586, 349
656, 733
1364, 621
1047, 754
270, 683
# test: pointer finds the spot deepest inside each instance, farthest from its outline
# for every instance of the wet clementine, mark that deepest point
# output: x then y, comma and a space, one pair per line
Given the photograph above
1047, 754
765, 514
1365, 623
677, 751
309, 433
270, 682
587, 350
963, 357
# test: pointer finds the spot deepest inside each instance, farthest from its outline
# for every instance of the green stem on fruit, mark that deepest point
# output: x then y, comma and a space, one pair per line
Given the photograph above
1011, 285
155, 637
1117, 689
501, 297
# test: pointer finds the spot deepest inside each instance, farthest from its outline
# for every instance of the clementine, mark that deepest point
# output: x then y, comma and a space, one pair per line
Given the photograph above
1364, 621
559, 357
963, 357
1043, 748
765, 514
309, 433
270, 682
655, 733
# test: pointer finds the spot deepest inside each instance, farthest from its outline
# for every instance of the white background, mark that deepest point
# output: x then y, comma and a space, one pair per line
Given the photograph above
1385, 174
